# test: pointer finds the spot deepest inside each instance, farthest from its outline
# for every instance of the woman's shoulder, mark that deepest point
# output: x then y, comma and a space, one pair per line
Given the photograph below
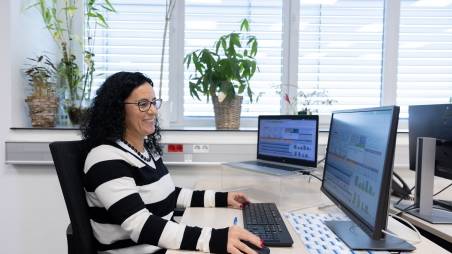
109, 152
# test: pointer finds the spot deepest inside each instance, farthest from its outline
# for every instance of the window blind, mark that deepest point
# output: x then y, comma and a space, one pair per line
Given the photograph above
206, 21
425, 54
340, 53
132, 42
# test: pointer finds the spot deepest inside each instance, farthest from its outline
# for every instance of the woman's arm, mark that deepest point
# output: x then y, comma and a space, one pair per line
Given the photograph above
200, 198
113, 184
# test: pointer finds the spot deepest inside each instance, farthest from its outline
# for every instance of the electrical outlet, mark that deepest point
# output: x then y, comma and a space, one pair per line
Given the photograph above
175, 148
200, 148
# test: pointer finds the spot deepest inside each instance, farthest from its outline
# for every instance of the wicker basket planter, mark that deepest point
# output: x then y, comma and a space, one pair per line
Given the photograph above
227, 112
42, 110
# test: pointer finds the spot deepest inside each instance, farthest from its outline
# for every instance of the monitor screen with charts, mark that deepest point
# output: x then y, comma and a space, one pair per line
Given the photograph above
286, 144
357, 175
288, 139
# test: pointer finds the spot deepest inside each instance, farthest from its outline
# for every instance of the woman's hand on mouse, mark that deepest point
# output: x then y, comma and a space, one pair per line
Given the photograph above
238, 234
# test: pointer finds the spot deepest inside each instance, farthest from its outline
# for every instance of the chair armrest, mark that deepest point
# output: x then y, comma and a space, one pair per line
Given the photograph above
70, 240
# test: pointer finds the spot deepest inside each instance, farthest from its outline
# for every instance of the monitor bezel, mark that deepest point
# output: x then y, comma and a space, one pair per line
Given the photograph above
296, 162
375, 231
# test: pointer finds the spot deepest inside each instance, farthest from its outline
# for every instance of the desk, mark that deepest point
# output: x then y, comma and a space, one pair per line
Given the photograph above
295, 192
443, 231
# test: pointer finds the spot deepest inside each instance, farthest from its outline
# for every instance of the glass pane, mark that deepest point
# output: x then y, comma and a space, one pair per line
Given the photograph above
132, 42
425, 54
206, 21
340, 54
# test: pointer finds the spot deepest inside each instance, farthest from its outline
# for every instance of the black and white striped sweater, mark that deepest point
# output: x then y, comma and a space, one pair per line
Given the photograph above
131, 203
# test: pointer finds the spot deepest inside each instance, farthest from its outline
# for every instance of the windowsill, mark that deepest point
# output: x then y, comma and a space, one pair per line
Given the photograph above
197, 128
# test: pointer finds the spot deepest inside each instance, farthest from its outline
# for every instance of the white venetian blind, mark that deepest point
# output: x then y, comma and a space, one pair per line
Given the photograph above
425, 53
340, 52
206, 21
133, 42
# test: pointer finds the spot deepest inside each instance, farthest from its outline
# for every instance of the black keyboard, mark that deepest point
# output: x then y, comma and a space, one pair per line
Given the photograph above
264, 220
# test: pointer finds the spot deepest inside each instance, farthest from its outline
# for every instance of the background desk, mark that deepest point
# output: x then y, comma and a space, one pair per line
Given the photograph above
443, 231
297, 192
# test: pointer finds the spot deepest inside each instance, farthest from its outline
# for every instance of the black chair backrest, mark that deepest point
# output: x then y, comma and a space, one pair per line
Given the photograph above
69, 157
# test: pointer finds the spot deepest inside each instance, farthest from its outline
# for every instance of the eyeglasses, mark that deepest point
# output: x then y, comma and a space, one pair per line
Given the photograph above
145, 104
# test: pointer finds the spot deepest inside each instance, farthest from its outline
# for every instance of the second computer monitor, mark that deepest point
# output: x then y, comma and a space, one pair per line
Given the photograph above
434, 121
357, 175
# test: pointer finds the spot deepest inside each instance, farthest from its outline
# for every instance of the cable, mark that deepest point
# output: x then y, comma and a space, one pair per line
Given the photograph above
418, 240
316, 177
321, 160
410, 207
402, 198
443, 189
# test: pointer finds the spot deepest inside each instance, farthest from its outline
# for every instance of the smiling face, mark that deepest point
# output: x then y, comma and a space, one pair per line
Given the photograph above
139, 124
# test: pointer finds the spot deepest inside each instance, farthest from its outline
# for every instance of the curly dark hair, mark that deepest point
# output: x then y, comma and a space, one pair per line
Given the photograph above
104, 121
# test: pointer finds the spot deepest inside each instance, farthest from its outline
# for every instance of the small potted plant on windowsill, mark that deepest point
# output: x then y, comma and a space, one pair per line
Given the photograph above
224, 74
42, 103
316, 97
306, 100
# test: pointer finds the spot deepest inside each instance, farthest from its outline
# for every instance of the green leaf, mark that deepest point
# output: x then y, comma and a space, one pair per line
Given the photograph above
245, 26
250, 93
254, 48
223, 45
218, 44
101, 20
235, 39
108, 6
241, 87
188, 60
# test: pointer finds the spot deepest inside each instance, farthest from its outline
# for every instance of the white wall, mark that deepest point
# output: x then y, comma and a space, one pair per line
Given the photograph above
33, 216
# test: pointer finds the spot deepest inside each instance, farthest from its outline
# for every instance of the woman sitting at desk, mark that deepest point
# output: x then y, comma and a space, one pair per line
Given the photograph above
130, 193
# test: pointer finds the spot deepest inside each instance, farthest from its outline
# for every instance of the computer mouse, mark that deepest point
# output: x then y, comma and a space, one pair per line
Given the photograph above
263, 250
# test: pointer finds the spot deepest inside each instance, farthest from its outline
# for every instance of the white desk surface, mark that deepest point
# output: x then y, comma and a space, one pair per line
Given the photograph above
298, 192
443, 231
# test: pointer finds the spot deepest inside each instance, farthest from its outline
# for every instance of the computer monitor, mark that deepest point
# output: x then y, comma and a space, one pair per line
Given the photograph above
290, 139
434, 121
357, 176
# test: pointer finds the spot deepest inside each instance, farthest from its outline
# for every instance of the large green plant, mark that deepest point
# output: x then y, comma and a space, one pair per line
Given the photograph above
58, 18
228, 69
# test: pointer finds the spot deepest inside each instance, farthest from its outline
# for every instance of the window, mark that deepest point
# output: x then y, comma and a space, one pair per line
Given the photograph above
425, 54
133, 42
206, 21
338, 47
340, 52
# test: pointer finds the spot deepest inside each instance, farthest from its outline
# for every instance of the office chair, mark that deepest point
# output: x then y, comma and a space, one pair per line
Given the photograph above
68, 157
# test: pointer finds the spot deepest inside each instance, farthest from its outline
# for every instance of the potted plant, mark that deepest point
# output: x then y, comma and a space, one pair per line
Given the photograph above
75, 81
305, 99
316, 97
42, 103
224, 74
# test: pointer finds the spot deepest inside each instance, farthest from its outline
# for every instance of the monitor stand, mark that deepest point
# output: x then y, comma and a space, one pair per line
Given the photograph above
356, 239
425, 170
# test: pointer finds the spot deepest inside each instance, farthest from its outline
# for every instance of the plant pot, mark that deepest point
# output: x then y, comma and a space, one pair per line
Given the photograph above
42, 110
227, 112
76, 114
